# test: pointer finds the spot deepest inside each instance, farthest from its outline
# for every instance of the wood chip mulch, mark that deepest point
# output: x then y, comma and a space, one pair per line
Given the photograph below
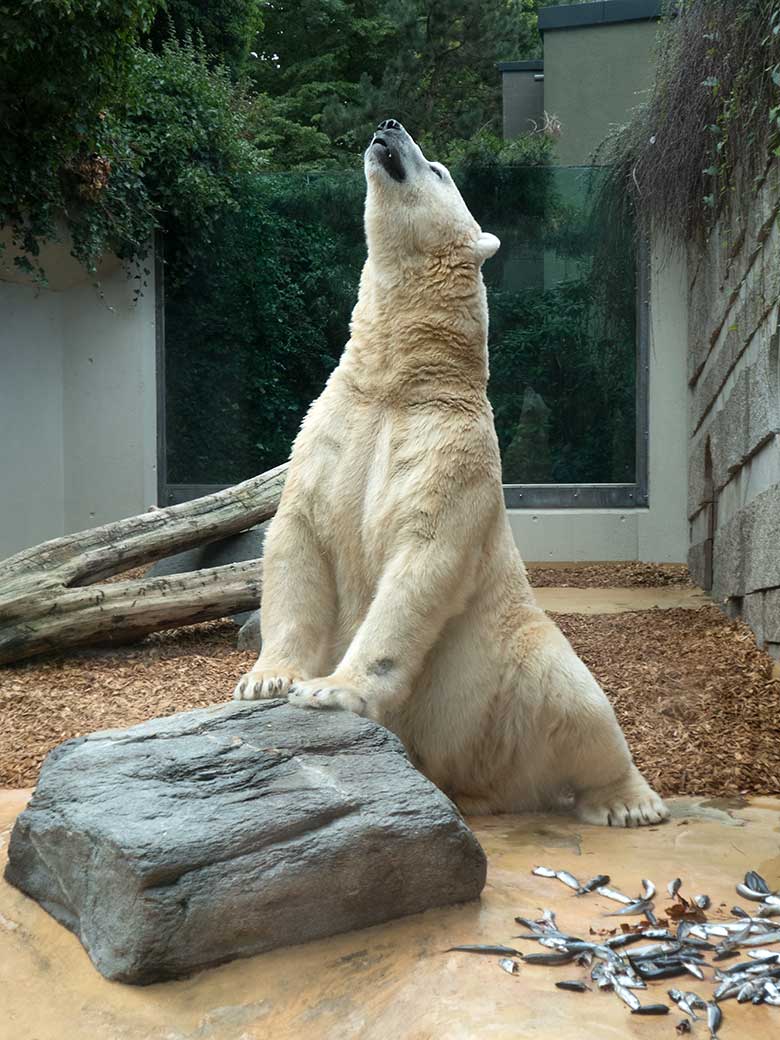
694, 694
692, 691
628, 574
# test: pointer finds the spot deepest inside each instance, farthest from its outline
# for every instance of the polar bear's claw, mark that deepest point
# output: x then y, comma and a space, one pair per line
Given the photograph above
314, 694
637, 805
258, 686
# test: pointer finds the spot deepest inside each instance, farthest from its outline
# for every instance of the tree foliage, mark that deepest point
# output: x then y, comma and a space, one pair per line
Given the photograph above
342, 65
65, 64
226, 29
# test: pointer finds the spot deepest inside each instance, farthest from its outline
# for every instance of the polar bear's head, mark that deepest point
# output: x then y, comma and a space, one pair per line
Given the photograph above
413, 209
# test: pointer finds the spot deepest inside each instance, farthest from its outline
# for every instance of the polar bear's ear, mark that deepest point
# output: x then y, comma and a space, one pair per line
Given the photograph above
485, 247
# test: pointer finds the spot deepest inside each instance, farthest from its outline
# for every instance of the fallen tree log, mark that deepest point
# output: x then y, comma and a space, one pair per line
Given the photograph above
126, 610
49, 599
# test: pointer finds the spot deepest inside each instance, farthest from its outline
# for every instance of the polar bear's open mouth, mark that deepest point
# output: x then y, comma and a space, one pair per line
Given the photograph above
389, 158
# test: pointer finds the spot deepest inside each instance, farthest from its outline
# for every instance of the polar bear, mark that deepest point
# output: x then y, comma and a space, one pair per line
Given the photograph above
392, 586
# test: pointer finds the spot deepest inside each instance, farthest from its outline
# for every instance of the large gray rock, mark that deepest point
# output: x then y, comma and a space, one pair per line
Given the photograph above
250, 637
214, 834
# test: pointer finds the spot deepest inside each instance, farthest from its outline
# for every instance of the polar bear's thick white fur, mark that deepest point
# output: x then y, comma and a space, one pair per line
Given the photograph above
392, 586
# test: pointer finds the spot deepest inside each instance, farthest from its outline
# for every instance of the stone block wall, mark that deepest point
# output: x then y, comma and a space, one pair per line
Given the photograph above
734, 409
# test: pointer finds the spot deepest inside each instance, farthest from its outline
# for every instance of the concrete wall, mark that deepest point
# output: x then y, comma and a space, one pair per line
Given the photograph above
77, 404
522, 85
31, 459
734, 409
657, 534
593, 76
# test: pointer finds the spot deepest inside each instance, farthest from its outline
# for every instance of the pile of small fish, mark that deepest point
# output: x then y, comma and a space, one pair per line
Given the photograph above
618, 965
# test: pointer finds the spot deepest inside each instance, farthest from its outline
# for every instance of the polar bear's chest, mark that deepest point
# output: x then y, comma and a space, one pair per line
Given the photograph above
364, 467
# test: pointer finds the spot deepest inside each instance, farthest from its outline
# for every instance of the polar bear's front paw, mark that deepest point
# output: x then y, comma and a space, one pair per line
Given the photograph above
631, 804
262, 686
327, 693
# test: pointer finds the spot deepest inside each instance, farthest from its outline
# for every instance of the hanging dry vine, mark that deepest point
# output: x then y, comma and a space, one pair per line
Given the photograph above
712, 121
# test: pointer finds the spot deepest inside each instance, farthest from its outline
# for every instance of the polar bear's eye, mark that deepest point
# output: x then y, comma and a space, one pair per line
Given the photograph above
437, 172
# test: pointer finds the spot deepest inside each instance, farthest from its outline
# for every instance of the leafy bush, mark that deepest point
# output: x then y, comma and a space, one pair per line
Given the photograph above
64, 64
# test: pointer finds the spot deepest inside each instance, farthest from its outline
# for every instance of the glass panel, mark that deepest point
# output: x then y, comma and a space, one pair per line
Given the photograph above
253, 332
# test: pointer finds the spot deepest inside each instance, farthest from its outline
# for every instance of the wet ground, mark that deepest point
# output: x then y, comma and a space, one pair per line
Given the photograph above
396, 981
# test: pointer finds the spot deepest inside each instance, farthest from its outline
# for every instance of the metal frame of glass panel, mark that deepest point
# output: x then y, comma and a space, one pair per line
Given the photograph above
516, 496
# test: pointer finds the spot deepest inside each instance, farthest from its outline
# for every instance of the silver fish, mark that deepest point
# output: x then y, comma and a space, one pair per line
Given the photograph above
501, 951
714, 1019
654, 950
635, 909
595, 882
548, 920
532, 926
561, 875
575, 985
684, 929
751, 893
561, 957
755, 881
770, 956
630, 981
569, 879
624, 940
683, 1003
748, 991
612, 893
694, 969
674, 887
649, 888
700, 932
651, 1009
729, 987
703, 902
627, 996
510, 967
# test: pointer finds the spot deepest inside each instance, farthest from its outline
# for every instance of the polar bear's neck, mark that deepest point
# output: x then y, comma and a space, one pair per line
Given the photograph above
419, 334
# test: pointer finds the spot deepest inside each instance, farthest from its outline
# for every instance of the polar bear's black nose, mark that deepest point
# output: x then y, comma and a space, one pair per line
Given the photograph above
389, 124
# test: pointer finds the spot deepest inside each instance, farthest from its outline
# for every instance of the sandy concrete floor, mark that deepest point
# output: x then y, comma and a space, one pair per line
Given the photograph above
396, 982
617, 601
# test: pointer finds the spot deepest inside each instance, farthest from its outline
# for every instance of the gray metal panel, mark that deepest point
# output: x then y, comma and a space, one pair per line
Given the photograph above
536, 65
601, 13
178, 493
516, 496
571, 496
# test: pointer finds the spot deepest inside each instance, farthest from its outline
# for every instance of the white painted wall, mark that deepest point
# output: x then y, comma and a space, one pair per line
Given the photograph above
77, 404
109, 402
31, 456
663, 528
658, 534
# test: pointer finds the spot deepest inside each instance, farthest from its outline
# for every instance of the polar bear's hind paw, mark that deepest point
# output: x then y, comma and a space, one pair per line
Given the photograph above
636, 805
